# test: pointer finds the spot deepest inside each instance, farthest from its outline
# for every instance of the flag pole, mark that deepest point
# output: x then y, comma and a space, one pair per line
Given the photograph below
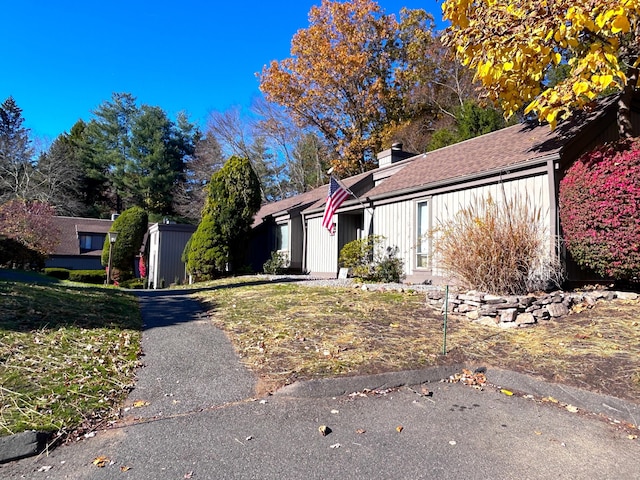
369, 209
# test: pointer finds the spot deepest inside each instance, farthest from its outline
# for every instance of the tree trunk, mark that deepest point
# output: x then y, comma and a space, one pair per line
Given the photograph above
625, 126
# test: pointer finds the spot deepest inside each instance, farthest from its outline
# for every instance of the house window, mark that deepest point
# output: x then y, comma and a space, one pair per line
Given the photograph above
282, 237
422, 234
91, 242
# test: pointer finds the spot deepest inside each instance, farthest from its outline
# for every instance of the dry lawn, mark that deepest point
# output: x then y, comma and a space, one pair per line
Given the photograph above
286, 332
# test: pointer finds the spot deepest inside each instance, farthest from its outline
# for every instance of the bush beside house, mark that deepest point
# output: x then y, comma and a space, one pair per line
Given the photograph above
131, 226
220, 242
600, 210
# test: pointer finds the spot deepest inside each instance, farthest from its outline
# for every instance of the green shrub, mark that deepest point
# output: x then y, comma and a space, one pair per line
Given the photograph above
370, 261
131, 226
59, 273
277, 264
14, 253
390, 268
219, 244
96, 277
137, 283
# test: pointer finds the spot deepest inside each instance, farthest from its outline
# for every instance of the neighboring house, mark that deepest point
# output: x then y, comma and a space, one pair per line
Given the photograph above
81, 242
82, 239
405, 198
166, 242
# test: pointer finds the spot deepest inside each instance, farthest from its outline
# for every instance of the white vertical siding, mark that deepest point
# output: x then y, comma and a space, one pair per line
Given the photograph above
395, 222
153, 256
322, 249
446, 206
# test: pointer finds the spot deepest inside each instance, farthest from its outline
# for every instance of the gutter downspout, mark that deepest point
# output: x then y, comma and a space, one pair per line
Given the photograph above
553, 166
304, 242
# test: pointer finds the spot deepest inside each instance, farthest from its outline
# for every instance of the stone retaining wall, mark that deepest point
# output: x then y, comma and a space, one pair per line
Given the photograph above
519, 310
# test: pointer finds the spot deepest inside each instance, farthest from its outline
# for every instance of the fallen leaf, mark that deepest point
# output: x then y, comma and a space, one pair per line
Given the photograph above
124, 468
188, 474
550, 399
140, 403
100, 461
394, 325
537, 433
360, 431
632, 437
324, 430
506, 392
572, 409
399, 428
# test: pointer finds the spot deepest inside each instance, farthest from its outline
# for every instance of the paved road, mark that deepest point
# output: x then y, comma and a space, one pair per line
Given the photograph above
203, 421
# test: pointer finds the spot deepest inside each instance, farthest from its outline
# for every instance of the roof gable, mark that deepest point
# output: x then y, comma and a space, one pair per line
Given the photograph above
71, 227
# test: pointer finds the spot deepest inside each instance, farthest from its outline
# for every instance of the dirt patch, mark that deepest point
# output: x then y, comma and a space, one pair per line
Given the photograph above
289, 332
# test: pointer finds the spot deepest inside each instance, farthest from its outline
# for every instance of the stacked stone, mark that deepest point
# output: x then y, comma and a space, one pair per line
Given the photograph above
518, 310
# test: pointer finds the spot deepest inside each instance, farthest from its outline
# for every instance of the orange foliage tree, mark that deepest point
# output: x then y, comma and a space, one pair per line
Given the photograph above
353, 75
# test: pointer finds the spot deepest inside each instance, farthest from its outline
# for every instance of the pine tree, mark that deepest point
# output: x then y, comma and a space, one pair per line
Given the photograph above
16, 152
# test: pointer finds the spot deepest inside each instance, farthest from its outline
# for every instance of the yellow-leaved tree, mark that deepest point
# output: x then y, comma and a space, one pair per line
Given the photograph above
513, 45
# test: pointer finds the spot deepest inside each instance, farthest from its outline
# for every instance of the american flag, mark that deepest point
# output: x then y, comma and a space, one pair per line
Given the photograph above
337, 195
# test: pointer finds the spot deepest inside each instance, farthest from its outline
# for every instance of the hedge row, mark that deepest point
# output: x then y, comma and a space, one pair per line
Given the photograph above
96, 277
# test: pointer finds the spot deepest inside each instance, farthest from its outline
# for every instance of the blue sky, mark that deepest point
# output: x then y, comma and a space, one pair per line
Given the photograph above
63, 58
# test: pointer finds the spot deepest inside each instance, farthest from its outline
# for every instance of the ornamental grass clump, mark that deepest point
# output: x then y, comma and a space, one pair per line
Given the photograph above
495, 247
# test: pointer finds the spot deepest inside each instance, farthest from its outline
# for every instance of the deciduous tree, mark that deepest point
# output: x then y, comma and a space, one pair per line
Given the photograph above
190, 195
58, 176
513, 45
29, 223
353, 72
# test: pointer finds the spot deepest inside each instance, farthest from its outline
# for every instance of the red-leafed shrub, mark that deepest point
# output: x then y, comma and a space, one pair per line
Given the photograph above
600, 210
27, 233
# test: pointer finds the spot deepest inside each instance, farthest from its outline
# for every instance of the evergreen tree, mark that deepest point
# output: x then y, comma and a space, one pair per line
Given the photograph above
137, 154
109, 135
16, 152
471, 120
220, 242
94, 181
131, 226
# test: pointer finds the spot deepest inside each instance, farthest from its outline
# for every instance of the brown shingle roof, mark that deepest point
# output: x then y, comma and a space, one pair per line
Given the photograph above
298, 201
511, 146
70, 227
504, 148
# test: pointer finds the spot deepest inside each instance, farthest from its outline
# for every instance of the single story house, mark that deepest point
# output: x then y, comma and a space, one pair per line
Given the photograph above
81, 242
406, 196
